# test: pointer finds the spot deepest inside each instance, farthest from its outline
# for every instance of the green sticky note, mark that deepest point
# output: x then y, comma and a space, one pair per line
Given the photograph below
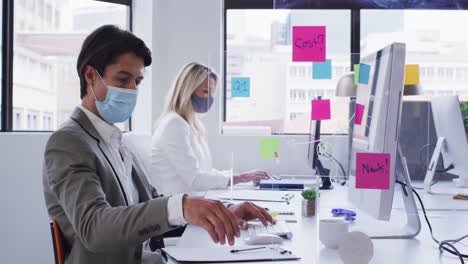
269, 148
356, 73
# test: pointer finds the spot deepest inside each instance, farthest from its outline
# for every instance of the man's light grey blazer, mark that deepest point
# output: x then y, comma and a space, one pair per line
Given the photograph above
83, 194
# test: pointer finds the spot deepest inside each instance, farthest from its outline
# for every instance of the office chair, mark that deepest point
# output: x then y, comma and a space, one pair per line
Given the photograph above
57, 242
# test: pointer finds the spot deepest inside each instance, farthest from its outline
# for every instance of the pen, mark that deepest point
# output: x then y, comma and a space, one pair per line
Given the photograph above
276, 177
279, 213
247, 249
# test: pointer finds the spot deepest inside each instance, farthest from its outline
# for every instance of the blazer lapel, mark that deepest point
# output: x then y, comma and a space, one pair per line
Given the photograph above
145, 189
80, 117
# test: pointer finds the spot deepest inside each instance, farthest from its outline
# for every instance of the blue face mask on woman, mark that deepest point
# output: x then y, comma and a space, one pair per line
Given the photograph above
201, 104
118, 105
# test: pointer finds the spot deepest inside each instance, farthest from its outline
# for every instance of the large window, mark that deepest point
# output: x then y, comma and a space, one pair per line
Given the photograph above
48, 36
435, 39
258, 47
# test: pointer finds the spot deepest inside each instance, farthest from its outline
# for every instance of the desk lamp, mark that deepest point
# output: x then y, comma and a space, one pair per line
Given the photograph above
347, 88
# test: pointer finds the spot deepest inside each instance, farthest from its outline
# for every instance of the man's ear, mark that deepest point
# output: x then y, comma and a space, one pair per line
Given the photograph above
89, 75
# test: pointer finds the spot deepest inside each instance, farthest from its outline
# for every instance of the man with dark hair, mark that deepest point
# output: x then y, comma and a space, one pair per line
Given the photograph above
94, 187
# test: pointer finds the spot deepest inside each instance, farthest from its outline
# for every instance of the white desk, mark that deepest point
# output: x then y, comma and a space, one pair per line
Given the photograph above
303, 243
441, 199
447, 224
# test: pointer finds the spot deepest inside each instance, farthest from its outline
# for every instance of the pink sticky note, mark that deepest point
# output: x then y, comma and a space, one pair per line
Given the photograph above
358, 114
321, 110
309, 43
373, 171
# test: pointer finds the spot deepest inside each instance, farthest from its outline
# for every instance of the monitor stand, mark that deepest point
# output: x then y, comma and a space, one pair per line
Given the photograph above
324, 176
413, 223
431, 169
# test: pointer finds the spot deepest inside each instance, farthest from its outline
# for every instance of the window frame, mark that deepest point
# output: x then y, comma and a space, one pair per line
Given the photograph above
6, 124
355, 24
269, 4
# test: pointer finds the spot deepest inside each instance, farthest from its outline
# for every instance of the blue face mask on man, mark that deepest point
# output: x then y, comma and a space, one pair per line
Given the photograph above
201, 104
118, 105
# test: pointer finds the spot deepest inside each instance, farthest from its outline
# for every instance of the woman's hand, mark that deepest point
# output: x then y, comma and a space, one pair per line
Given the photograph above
253, 176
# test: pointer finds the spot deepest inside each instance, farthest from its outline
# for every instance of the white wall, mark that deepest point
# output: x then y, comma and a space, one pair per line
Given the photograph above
24, 223
187, 31
143, 28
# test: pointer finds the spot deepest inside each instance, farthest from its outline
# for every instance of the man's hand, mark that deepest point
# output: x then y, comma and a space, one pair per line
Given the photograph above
254, 176
212, 216
249, 211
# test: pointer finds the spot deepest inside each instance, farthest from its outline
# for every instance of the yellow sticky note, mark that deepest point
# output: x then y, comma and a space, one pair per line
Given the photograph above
411, 74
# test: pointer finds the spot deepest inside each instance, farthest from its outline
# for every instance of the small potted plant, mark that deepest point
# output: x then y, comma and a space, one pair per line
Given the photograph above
308, 203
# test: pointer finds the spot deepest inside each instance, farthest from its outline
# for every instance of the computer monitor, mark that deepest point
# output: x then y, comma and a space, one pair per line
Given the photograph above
464, 112
379, 129
449, 120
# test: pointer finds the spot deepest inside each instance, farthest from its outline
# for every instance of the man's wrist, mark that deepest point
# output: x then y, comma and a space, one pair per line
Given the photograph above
229, 205
175, 208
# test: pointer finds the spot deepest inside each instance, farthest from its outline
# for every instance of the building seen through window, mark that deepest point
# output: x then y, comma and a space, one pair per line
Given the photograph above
48, 37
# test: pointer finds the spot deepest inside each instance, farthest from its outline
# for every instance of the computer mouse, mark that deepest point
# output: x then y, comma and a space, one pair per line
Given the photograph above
263, 239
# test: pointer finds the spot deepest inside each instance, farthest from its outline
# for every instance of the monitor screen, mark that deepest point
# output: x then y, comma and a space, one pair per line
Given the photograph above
366, 97
464, 112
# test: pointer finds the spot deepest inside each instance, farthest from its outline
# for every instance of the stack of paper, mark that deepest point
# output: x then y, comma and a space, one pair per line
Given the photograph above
224, 254
256, 195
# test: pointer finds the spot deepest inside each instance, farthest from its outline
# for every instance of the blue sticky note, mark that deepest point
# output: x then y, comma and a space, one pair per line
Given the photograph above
240, 87
322, 70
364, 73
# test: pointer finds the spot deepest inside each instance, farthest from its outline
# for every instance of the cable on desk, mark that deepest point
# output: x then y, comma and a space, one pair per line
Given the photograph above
339, 164
425, 167
444, 245
324, 153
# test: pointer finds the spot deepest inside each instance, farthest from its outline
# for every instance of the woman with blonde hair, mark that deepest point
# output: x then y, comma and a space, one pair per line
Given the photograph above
181, 160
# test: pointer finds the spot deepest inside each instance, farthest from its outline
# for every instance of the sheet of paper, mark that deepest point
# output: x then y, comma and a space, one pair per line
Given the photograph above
321, 109
322, 70
411, 74
309, 43
240, 87
373, 171
364, 73
359, 112
223, 254
268, 148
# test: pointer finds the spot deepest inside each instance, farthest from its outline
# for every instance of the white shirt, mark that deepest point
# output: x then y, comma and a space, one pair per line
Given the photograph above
112, 137
181, 160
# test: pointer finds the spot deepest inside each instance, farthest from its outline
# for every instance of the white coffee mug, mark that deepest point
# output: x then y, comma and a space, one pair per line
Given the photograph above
331, 231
